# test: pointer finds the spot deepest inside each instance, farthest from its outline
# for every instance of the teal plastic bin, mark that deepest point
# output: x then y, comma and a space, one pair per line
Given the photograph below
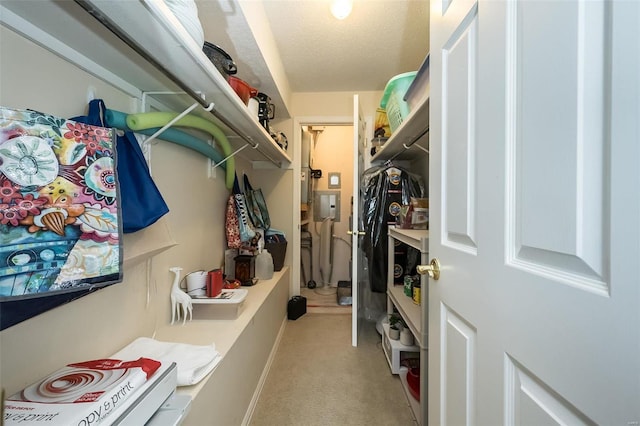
393, 99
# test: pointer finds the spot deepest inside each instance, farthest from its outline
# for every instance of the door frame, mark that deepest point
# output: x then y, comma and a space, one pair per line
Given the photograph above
298, 122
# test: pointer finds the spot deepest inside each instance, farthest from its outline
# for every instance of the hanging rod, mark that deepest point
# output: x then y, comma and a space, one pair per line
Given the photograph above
122, 35
410, 144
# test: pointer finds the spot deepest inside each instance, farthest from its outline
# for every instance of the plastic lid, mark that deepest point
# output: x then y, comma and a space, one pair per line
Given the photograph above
405, 78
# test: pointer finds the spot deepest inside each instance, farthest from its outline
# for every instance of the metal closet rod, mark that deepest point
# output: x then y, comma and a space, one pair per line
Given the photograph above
409, 145
122, 35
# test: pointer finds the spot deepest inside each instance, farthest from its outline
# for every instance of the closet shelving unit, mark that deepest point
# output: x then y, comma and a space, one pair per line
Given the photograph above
415, 316
410, 142
140, 47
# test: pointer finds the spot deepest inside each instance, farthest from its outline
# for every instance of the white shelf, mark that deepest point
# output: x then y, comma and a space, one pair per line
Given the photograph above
155, 41
414, 126
416, 316
416, 238
395, 351
408, 310
224, 333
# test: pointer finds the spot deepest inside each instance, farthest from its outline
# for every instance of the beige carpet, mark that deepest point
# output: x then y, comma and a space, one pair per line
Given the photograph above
322, 303
318, 378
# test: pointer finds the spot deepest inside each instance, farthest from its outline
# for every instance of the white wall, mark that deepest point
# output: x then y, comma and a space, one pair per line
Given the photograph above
334, 104
101, 323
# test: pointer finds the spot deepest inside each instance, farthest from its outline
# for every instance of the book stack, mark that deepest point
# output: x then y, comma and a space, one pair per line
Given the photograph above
79, 394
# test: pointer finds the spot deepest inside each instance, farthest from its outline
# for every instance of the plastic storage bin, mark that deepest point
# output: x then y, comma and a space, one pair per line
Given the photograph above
393, 99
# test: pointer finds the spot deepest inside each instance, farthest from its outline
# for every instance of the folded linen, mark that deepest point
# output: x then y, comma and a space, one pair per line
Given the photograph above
193, 362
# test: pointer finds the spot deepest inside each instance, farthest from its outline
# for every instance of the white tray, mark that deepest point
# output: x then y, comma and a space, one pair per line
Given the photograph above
225, 306
226, 297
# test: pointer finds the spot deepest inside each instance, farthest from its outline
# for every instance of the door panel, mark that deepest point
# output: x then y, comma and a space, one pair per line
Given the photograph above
459, 359
458, 143
535, 213
531, 401
567, 243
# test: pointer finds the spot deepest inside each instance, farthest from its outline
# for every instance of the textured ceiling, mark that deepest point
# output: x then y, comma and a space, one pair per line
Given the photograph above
380, 39
315, 51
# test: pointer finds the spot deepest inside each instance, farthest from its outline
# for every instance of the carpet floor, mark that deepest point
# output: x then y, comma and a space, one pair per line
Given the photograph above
317, 302
318, 378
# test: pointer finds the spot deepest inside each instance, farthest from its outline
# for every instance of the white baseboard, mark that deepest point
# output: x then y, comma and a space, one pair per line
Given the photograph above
263, 377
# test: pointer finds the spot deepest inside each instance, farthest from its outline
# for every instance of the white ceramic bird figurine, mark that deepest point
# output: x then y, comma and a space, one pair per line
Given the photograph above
180, 301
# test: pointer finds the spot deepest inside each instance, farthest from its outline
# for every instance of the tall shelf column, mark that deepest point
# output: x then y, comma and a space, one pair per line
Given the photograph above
415, 316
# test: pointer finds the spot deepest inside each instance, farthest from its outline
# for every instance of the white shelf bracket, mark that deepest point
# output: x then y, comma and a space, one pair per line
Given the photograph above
209, 108
171, 123
422, 148
228, 156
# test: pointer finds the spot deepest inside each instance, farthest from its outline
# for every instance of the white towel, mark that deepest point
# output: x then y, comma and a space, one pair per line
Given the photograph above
193, 362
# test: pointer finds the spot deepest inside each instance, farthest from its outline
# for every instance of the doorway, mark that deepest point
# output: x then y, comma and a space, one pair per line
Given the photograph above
326, 190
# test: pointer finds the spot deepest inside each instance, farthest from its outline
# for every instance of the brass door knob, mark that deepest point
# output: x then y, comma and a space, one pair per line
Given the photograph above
433, 269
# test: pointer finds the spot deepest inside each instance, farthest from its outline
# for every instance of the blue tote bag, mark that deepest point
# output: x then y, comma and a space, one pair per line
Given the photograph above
140, 199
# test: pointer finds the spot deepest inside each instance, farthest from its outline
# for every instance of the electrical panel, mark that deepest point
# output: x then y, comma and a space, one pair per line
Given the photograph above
326, 204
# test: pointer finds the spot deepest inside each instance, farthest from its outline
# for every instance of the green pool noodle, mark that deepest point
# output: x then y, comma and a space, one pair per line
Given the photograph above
146, 120
118, 120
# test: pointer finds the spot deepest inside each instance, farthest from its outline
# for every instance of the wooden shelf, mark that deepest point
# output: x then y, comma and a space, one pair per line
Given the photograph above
140, 47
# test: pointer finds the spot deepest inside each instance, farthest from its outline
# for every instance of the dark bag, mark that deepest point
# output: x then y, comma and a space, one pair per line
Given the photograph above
256, 205
140, 200
296, 307
247, 233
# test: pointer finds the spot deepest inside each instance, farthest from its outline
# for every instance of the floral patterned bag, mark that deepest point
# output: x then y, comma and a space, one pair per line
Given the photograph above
232, 226
60, 227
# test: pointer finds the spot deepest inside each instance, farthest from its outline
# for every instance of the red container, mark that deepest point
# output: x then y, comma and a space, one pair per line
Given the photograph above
242, 89
413, 380
214, 283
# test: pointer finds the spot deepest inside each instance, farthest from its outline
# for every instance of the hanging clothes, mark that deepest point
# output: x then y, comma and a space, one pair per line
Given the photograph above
385, 189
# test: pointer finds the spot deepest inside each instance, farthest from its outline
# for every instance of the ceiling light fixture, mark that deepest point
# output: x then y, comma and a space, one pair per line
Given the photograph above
341, 8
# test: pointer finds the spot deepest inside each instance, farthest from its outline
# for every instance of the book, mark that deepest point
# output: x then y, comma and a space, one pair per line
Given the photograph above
80, 394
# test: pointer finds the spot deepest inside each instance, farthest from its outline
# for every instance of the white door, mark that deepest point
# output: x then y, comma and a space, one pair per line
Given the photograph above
357, 256
535, 213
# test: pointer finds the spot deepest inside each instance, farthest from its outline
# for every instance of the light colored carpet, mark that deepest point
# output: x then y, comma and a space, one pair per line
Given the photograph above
318, 378
317, 302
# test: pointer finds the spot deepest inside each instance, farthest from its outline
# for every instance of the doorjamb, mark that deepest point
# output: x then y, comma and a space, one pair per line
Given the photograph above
298, 122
